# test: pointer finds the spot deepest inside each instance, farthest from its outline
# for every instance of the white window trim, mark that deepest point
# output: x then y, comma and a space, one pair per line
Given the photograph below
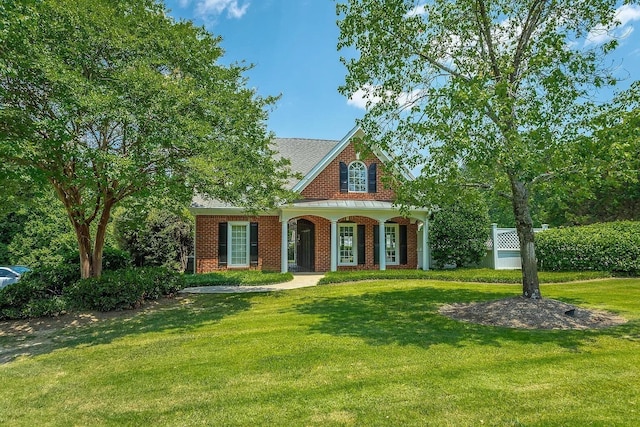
354, 227
397, 242
366, 177
230, 263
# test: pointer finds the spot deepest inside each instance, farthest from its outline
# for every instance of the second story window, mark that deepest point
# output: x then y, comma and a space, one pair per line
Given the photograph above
358, 177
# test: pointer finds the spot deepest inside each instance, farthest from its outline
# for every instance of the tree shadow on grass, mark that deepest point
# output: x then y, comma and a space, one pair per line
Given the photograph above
178, 316
410, 317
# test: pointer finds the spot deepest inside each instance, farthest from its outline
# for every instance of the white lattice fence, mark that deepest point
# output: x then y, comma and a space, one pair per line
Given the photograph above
503, 248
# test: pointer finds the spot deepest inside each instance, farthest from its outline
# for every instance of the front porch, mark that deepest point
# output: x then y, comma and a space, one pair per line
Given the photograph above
331, 235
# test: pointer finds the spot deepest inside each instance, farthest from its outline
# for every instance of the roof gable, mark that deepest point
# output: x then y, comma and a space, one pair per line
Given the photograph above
313, 173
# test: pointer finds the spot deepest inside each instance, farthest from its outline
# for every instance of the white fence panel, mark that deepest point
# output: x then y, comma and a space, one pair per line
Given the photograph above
503, 248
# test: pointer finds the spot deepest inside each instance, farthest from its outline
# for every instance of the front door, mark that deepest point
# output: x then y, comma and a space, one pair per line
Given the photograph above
305, 246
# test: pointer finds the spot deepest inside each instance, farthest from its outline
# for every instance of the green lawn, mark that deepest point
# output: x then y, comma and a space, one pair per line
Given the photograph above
369, 353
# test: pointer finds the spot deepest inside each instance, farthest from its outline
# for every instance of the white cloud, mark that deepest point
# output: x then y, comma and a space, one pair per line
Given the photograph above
625, 16
367, 95
234, 8
418, 10
363, 96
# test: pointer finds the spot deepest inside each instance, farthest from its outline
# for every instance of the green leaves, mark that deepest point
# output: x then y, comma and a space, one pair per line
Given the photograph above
113, 99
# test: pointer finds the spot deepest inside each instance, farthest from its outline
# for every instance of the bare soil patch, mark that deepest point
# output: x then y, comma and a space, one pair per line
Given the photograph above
526, 313
35, 336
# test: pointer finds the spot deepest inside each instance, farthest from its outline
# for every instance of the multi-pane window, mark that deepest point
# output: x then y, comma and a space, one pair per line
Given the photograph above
391, 243
347, 244
239, 244
358, 177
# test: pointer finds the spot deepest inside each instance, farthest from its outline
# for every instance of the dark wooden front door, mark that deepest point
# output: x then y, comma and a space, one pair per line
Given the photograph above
305, 246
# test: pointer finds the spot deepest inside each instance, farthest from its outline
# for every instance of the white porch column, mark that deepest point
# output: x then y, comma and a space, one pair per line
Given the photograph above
284, 244
382, 249
425, 244
334, 245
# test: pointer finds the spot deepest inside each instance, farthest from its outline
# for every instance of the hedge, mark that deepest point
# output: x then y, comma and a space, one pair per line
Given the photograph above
613, 247
123, 289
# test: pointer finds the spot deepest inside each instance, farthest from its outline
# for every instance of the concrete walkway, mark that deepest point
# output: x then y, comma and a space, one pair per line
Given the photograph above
300, 280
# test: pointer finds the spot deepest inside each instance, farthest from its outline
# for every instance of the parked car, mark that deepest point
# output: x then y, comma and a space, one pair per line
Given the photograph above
11, 274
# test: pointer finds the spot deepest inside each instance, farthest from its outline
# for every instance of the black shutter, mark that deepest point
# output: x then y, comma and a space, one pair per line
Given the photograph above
361, 245
253, 244
222, 244
371, 179
403, 244
376, 244
344, 178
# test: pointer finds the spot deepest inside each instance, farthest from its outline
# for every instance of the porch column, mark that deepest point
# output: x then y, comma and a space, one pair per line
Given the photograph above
425, 244
284, 253
382, 249
334, 245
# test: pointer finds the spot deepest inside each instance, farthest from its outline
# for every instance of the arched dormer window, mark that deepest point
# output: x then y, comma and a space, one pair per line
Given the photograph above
357, 177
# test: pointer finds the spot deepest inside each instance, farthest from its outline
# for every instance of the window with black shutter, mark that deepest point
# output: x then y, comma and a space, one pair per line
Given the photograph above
361, 245
376, 244
371, 179
344, 178
222, 244
253, 244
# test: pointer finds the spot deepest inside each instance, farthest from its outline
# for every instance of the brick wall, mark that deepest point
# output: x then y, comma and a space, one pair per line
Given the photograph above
323, 243
269, 242
207, 241
327, 183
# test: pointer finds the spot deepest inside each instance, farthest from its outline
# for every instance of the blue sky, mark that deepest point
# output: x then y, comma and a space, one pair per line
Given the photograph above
292, 44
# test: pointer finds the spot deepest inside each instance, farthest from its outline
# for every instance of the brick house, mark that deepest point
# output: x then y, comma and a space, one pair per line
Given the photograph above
344, 219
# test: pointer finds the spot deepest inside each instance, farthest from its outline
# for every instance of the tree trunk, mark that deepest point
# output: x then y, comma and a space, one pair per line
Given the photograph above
83, 235
524, 225
101, 233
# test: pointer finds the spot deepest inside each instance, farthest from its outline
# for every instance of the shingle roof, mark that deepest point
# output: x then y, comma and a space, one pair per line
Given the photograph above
304, 154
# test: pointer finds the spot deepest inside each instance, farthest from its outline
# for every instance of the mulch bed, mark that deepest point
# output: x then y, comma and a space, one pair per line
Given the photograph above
526, 313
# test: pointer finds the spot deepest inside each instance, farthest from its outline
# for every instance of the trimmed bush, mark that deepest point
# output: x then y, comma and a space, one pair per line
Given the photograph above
458, 232
237, 278
123, 289
613, 247
482, 275
30, 298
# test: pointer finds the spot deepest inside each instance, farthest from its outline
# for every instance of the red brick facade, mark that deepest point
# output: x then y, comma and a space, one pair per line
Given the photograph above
323, 243
326, 186
207, 241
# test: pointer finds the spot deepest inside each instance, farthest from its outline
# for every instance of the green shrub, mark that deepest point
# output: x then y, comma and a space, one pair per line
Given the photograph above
613, 247
482, 275
123, 289
161, 282
30, 298
459, 231
236, 278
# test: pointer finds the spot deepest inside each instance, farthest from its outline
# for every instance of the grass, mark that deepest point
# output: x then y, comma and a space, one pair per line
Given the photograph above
483, 275
240, 277
371, 353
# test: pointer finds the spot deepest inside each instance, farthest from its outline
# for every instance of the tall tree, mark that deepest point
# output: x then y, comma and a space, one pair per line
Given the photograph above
111, 99
477, 93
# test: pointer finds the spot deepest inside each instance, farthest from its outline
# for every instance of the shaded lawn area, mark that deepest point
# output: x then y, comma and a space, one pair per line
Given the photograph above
370, 353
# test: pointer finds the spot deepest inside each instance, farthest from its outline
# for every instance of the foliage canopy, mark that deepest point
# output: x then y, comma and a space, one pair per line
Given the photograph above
478, 93
111, 99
